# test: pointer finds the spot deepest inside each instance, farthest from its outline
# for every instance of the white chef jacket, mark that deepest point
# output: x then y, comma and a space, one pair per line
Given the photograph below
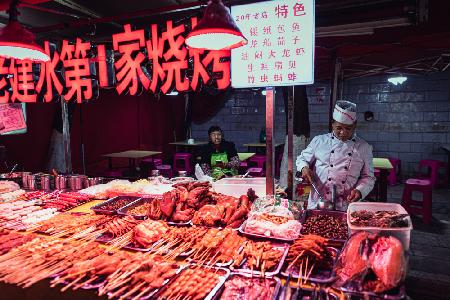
348, 165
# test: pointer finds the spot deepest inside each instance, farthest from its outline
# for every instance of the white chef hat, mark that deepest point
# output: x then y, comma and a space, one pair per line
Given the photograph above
345, 112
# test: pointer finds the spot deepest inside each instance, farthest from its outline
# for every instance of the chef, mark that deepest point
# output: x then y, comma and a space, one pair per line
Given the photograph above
339, 158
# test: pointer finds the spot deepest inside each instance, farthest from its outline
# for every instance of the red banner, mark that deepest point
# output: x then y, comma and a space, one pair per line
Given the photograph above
137, 63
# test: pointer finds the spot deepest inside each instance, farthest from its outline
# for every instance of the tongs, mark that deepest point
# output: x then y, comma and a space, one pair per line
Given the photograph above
321, 199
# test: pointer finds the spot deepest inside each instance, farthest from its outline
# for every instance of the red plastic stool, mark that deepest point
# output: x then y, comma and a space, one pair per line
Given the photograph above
412, 206
165, 170
433, 167
259, 160
255, 172
395, 173
182, 162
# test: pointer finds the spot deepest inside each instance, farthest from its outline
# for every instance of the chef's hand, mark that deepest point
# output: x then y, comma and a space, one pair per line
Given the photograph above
355, 195
307, 174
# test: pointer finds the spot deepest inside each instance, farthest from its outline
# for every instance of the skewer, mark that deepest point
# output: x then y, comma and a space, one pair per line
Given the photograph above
95, 277
133, 290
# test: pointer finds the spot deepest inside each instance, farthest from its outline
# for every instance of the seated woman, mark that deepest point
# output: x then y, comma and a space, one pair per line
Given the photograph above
219, 158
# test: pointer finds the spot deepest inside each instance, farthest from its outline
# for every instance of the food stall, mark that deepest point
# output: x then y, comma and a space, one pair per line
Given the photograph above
165, 240
159, 238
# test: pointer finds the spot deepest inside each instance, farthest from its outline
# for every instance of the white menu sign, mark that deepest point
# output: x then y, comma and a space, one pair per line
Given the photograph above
280, 49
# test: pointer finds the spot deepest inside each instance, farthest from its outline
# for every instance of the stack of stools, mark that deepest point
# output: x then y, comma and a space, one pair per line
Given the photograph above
434, 166
182, 162
395, 173
417, 207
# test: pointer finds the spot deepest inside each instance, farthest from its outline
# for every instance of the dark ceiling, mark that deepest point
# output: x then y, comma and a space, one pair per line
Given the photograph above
369, 37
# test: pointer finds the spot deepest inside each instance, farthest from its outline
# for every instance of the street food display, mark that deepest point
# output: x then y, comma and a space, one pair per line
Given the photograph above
327, 224
381, 218
378, 261
139, 188
183, 244
249, 288
310, 258
272, 225
7, 186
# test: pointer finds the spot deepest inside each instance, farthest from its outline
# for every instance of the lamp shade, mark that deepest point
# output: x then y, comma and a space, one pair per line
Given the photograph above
19, 43
216, 30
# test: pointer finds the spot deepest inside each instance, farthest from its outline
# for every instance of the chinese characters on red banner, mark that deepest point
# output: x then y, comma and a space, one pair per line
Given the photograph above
155, 62
280, 50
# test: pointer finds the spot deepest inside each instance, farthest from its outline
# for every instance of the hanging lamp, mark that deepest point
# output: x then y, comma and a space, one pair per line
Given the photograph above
216, 30
17, 42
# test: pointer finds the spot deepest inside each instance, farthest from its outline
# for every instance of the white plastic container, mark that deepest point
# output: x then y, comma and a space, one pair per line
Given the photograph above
239, 186
402, 233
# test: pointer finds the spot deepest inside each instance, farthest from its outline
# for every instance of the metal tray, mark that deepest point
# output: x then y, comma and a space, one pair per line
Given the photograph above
397, 293
261, 236
188, 223
323, 276
233, 274
314, 212
124, 210
99, 210
213, 294
313, 292
282, 247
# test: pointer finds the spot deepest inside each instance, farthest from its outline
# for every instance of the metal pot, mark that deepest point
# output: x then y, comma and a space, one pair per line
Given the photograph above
94, 181
76, 182
32, 182
46, 182
25, 179
61, 182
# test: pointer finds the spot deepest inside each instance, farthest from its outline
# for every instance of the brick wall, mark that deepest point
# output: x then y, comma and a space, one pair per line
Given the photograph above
411, 121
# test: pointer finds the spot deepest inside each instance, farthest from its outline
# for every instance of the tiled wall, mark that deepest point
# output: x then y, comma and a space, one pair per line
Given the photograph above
411, 121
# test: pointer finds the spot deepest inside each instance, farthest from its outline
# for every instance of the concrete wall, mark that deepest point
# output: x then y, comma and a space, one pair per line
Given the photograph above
411, 122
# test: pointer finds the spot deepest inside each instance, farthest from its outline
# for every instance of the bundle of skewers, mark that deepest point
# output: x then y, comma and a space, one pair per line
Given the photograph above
12, 240
193, 283
258, 256
90, 271
310, 254
68, 225
42, 258
138, 276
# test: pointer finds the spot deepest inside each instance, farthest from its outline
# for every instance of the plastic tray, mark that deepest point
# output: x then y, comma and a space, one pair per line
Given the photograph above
323, 276
233, 274
282, 247
261, 236
314, 212
401, 233
239, 186
213, 294
99, 210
